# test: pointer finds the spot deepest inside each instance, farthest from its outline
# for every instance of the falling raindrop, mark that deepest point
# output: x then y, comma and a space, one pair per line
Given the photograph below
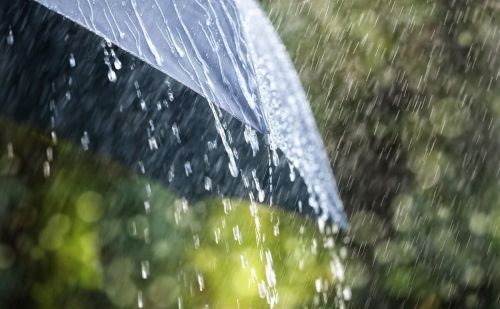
292, 173
251, 138
196, 240
147, 206
276, 230
153, 145
201, 282
347, 294
187, 168
46, 169
208, 183
10, 37
53, 137
112, 75
270, 274
171, 173
175, 131
237, 234
226, 203
72, 60
262, 289
140, 301
217, 235
10, 150
50, 154
145, 269
244, 263
318, 284
233, 167
117, 64
85, 141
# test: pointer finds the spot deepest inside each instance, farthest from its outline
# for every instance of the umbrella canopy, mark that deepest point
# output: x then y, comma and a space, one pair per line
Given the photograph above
199, 43
217, 50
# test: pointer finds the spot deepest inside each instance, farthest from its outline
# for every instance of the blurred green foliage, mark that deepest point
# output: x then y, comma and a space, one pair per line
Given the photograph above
407, 97
79, 231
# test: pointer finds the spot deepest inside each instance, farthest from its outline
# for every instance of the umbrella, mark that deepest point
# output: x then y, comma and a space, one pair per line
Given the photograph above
184, 70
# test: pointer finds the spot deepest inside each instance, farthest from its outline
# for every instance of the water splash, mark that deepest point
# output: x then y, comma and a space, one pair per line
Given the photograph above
233, 167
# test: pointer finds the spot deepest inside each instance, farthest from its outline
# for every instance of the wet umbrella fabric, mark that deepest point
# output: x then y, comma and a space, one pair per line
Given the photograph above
288, 113
250, 78
198, 43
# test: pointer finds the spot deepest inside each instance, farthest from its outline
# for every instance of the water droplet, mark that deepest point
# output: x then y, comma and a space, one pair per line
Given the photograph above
175, 131
147, 206
145, 269
46, 169
187, 168
117, 64
233, 168
201, 282
226, 139
140, 301
171, 173
276, 229
244, 262
212, 145
53, 137
72, 60
251, 139
112, 76
85, 140
208, 183
179, 302
262, 289
217, 234
10, 37
292, 173
227, 206
196, 240
318, 284
153, 145
237, 234
347, 294
270, 274
50, 154
10, 151
261, 194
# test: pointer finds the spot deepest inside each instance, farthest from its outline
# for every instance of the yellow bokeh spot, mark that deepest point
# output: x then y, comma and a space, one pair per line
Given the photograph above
89, 207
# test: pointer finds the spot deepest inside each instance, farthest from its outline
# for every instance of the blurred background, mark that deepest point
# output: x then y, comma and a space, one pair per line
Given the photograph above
407, 98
